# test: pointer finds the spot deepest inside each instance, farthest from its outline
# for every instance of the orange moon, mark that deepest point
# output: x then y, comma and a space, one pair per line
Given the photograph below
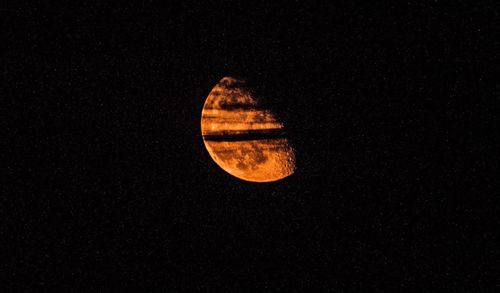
244, 139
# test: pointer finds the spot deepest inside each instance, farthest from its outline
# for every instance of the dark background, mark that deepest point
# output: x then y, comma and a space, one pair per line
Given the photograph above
392, 111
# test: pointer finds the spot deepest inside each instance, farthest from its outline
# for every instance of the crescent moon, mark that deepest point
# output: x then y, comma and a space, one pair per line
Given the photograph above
244, 139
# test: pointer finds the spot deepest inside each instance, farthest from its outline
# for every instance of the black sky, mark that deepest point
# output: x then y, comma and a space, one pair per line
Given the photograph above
392, 110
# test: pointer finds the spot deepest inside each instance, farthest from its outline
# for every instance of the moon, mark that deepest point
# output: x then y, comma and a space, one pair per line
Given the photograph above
242, 137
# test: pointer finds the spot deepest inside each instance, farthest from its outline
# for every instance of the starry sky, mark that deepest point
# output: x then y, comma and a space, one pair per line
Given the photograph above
391, 109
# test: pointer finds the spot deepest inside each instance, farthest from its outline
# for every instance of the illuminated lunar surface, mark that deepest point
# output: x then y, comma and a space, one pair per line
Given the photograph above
244, 139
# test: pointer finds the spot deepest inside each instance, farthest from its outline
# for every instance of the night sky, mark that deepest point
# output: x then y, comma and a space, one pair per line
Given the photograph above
392, 111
